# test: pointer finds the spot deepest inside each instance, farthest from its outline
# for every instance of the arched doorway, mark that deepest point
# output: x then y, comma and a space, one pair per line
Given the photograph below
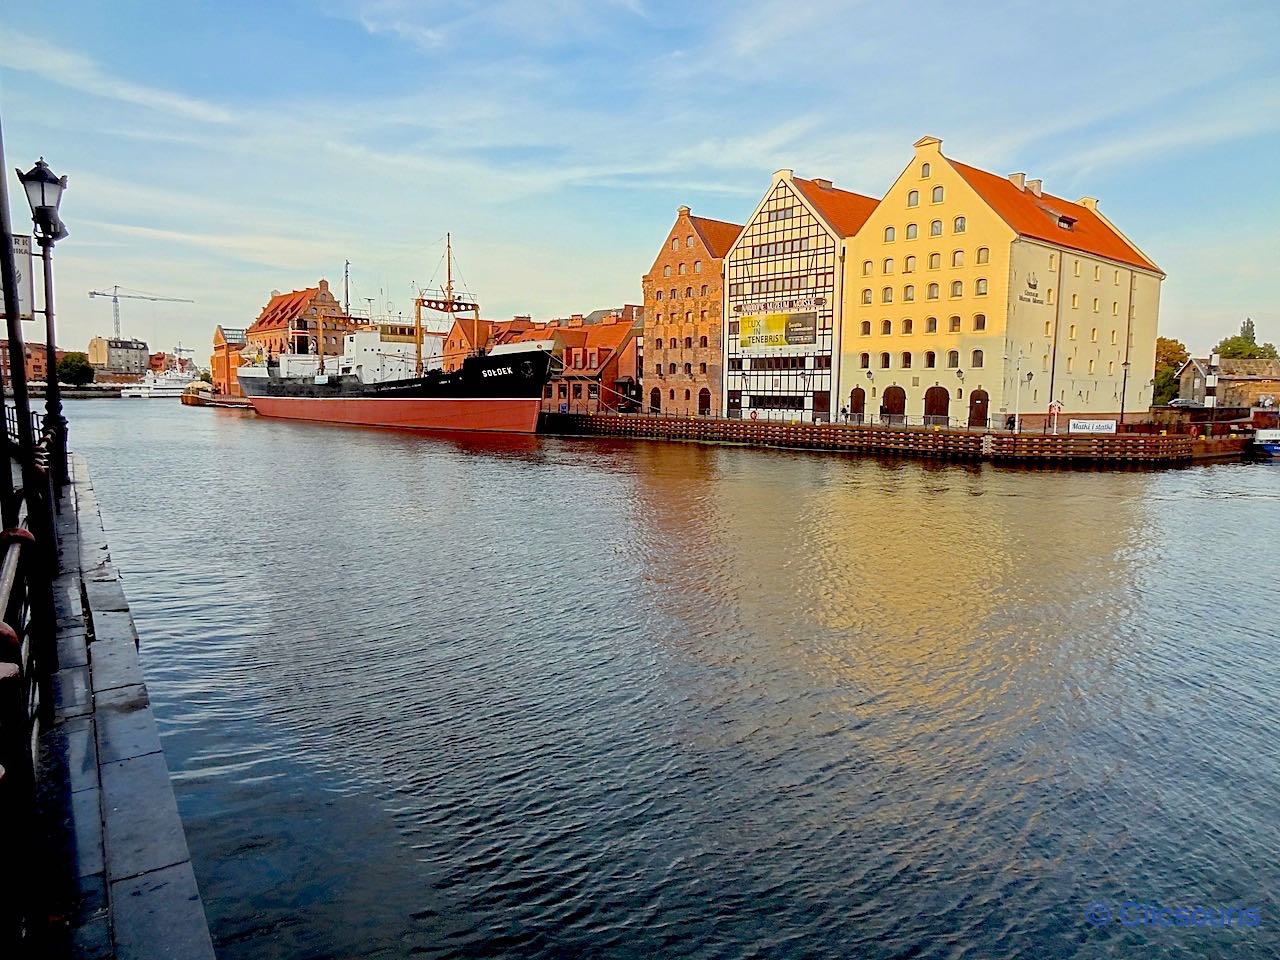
937, 405
704, 402
978, 401
655, 400
893, 405
857, 405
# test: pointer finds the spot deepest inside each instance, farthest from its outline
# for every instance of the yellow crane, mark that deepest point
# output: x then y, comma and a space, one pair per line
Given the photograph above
116, 296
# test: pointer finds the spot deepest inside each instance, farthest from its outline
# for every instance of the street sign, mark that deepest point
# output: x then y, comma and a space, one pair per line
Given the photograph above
26, 286
1055, 408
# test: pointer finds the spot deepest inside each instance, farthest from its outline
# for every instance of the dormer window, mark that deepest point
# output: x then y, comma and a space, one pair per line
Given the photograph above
1065, 222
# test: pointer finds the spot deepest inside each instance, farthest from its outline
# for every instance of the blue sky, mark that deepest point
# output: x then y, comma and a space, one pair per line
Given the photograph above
220, 150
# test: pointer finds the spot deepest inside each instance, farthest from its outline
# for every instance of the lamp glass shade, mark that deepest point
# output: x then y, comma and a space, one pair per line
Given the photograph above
42, 187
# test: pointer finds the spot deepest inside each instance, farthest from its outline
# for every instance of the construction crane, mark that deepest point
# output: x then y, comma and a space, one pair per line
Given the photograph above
116, 296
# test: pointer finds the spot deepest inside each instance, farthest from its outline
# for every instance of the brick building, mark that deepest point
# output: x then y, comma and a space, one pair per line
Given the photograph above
292, 322
37, 364
683, 302
599, 363
466, 334
1230, 383
227, 346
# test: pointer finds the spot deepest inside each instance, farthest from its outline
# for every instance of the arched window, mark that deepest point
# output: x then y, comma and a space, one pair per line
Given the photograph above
866, 295
980, 287
924, 170
702, 342
930, 359
697, 266
666, 271
704, 289
907, 325
937, 194
864, 361
909, 265
688, 395
889, 234
953, 324
935, 228
866, 328
908, 293
886, 327
911, 231
953, 359
932, 292
976, 359
688, 343
906, 361
1071, 335
984, 254
688, 242
675, 243
886, 295
931, 325
958, 225
658, 295
688, 371
913, 198
673, 343
673, 394
1093, 335
702, 367
688, 291
935, 261
681, 270
866, 268
884, 361
674, 293
980, 322
957, 258
957, 288
887, 266
671, 368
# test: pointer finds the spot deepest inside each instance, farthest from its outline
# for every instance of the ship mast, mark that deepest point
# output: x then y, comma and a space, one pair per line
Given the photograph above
417, 334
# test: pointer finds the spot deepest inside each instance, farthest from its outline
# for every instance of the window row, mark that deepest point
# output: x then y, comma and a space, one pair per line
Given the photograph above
778, 247
675, 343
675, 243
982, 255
931, 292
907, 326
936, 195
688, 292
905, 360
935, 230
675, 317
803, 281
688, 369
681, 269
821, 361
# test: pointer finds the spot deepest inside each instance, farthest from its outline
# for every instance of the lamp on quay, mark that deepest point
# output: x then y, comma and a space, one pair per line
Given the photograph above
44, 193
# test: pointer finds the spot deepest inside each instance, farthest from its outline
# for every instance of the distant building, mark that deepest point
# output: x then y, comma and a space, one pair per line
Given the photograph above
228, 342
683, 300
466, 334
1230, 383
301, 321
598, 366
118, 355
37, 365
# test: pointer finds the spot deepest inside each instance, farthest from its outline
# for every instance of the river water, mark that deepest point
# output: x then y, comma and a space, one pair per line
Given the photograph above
544, 697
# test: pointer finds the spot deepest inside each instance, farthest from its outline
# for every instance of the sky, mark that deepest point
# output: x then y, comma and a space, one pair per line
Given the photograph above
219, 151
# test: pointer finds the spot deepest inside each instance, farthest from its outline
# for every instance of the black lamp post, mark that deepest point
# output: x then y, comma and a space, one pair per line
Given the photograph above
44, 193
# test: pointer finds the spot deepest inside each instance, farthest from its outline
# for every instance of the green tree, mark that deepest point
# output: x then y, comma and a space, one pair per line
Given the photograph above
1245, 346
75, 369
206, 376
1170, 356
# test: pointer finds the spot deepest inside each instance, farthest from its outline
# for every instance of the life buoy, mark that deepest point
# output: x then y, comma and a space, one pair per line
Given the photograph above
755, 414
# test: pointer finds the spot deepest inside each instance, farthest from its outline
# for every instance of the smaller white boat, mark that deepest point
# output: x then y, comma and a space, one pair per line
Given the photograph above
1267, 443
158, 386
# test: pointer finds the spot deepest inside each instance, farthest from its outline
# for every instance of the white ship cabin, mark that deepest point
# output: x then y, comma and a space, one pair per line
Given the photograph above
365, 354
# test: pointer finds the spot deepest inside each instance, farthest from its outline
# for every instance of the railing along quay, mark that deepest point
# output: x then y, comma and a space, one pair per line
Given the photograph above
932, 442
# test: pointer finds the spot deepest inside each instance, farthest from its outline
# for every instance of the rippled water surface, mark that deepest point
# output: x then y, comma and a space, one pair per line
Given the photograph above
539, 697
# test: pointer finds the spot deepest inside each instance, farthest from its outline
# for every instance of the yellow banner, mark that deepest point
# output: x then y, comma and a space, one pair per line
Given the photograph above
777, 330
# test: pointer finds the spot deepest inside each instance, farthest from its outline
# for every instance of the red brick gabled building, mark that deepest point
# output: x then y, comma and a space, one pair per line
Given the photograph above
292, 322
466, 335
683, 298
599, 363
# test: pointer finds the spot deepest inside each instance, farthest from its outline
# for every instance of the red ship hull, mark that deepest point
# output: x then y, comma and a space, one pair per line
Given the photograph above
502, 415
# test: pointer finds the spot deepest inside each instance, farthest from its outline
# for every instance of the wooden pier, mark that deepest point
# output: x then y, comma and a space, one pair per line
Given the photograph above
935, 443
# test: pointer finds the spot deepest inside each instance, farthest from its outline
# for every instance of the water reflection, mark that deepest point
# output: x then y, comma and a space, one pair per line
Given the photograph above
492, 696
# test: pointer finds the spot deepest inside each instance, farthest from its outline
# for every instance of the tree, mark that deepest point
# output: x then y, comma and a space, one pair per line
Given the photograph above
1170, 356
75, 369
206, 376
1245, 346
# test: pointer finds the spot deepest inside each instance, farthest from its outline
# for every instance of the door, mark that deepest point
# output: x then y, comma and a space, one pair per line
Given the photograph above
857, 405
655, 400
822, 407
978, 401
704, 402
735, 404
893, 406
937, 405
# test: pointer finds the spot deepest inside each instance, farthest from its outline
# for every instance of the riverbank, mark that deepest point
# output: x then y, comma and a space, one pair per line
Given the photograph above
936, 443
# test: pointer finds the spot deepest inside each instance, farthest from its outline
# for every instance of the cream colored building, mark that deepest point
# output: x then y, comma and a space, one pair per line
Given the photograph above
968, 294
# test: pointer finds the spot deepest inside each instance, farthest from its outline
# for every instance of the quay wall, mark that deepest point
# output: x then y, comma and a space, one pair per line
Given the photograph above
937, 443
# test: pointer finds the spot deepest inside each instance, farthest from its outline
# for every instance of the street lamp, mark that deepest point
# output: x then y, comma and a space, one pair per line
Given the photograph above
44, 194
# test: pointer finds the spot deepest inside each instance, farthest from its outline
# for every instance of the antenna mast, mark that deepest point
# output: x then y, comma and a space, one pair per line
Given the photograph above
346, 288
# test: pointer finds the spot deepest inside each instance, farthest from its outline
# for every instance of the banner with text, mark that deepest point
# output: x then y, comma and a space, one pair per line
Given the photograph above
777, 330
1091, 426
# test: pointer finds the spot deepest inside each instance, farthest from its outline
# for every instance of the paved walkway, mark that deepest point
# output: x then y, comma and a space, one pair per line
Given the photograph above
121, 883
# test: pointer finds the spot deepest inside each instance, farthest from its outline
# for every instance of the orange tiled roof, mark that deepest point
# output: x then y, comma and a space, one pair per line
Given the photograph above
845, 210
1037, 217
717, 235
282, 309
606, 338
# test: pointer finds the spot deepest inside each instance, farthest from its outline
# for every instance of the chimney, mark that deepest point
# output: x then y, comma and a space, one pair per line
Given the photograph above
824, 184
1019, 180
682, 211
1089, 203
324, 286
1034, 186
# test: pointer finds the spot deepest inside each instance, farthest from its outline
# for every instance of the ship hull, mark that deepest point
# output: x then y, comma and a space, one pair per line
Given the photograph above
504, 415
491, 392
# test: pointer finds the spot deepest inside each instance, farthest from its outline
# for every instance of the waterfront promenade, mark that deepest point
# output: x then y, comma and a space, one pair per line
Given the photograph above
107, 872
